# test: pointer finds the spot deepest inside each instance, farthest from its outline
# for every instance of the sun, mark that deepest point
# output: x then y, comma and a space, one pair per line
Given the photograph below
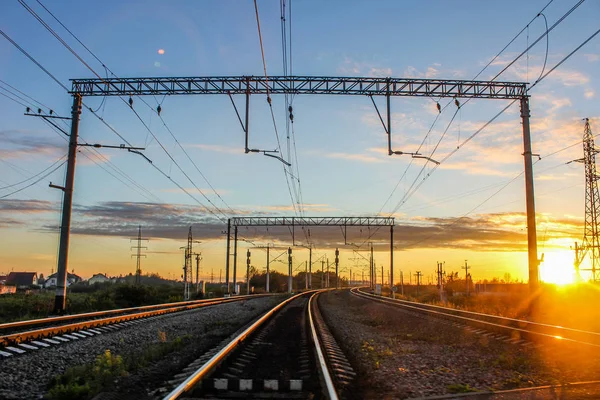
558, 268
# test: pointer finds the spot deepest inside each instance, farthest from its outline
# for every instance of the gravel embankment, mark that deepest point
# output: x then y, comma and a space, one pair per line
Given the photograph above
26, 376
398, 354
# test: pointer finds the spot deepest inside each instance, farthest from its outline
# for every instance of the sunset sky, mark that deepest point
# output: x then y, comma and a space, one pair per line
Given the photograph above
340, 144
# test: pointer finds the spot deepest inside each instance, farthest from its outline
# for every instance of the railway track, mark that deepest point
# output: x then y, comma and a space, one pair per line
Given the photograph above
512, 330
20, 337
287, 353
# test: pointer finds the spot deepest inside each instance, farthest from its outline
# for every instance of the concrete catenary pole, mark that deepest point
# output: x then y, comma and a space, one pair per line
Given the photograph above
60, 298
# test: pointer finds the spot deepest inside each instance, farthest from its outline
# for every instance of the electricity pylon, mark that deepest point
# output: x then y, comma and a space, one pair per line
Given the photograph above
591, 238
138, 255
187, 270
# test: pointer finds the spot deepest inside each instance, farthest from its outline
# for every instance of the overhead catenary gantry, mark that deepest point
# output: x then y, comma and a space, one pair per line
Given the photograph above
248, 85
292, 222
293, 85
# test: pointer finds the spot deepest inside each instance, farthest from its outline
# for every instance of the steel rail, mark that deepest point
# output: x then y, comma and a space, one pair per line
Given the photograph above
56, 330
50, 320
497, 317
214, 361
331, 392
490, 393
472, 320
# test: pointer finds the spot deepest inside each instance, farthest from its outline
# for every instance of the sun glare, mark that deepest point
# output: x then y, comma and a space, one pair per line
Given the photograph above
558, 268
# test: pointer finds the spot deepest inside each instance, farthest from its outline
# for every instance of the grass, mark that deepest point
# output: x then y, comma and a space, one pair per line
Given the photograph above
24, 306
460, 388
571, 306
85, 381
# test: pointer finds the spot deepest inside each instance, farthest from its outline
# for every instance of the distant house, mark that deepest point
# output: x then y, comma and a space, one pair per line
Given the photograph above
22, 280
98, 278
3, 279
71, 279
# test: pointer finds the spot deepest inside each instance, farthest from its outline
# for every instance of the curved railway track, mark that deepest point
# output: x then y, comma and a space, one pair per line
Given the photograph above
287, 353
22, 336
511, 330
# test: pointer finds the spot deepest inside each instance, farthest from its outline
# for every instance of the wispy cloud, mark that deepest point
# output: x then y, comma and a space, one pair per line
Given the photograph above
592, 57
483, 232
20, 144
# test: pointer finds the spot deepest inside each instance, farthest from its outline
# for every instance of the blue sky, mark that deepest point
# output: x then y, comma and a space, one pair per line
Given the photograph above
340, 143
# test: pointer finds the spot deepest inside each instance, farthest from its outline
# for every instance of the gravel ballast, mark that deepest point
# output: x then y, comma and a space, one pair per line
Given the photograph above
26, 376
399, 354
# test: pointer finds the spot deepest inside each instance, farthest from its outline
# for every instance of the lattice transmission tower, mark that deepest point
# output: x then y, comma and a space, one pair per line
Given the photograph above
187, 269
591, 237
139, 255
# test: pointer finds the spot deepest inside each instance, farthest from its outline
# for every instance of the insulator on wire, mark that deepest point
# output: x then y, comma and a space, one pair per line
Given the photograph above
158, 109
28, 109
292, 117
457, 103
130, 102
269, 100
290, 109
51, 112
438, 107
39, 110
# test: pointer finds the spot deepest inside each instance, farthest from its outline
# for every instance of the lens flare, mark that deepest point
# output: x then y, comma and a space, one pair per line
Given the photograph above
161, 51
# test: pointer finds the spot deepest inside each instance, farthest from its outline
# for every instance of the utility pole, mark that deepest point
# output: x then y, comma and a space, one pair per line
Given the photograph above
374, 276
466, 268
391, 253
337, 263
322, 273
382, 278
327, 276
372, 269
305, 275
235, 236
310, 267
198, 258
227, 257
60, 298
533, 260
248, 272
402, 283
187, 269
268, 276
139, 255
289, 270
418, 275
440, 280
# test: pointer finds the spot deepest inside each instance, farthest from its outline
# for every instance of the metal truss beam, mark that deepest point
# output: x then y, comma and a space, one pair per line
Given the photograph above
312, 221
298, 85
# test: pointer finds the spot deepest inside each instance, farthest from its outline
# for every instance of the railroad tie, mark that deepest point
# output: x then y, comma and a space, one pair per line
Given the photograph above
41, 344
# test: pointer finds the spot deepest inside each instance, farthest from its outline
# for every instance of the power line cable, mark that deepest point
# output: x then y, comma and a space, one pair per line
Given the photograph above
110, 127
503, 110
34, 176
33, 183
151, 108
262, 52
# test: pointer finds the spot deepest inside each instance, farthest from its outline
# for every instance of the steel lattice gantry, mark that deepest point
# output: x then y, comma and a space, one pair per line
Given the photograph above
292, 222
299, 85
312, 221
